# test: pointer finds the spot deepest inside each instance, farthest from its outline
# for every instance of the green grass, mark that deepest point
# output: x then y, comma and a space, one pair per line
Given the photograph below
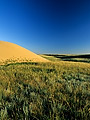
45, 91
67, 57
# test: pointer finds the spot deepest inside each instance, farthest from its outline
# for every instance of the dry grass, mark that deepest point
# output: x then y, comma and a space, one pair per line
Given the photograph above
45, 91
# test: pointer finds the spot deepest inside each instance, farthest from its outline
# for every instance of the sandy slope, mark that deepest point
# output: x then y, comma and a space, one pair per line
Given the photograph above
10, 51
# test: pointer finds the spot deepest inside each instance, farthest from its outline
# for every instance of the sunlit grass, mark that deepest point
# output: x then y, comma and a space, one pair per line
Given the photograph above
45, 91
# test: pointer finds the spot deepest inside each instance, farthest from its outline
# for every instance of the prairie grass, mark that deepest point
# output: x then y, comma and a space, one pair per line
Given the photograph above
45, 91
67, 57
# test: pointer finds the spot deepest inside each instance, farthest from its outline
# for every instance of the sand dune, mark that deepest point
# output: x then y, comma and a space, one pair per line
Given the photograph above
13, 52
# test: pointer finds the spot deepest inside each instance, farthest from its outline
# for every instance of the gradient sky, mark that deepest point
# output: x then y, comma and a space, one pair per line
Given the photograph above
47, 26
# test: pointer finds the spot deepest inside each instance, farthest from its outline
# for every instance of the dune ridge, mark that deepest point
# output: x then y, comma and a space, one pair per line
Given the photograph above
13, 52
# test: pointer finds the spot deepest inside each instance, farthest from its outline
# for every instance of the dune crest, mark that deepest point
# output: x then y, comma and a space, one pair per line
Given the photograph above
13, 52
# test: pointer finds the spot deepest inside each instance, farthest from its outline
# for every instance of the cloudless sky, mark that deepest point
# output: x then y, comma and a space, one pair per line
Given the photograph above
47, 26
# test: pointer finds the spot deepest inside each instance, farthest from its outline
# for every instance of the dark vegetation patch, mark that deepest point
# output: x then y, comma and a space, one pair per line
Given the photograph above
74, 58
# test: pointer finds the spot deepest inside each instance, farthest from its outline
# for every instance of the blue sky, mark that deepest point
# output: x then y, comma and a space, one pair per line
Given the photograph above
47, 26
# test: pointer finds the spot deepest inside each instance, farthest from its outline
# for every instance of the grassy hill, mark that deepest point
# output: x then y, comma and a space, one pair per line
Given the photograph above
45, 91
65, 57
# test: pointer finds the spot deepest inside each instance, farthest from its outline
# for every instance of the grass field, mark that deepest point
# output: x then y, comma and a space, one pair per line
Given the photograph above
58, 90
67, 57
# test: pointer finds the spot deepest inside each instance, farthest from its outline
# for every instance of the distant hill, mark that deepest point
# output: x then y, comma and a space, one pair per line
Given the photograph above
68, 57
13, 52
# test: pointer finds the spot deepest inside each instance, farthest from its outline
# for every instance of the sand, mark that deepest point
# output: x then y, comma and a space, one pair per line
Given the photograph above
13, 52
